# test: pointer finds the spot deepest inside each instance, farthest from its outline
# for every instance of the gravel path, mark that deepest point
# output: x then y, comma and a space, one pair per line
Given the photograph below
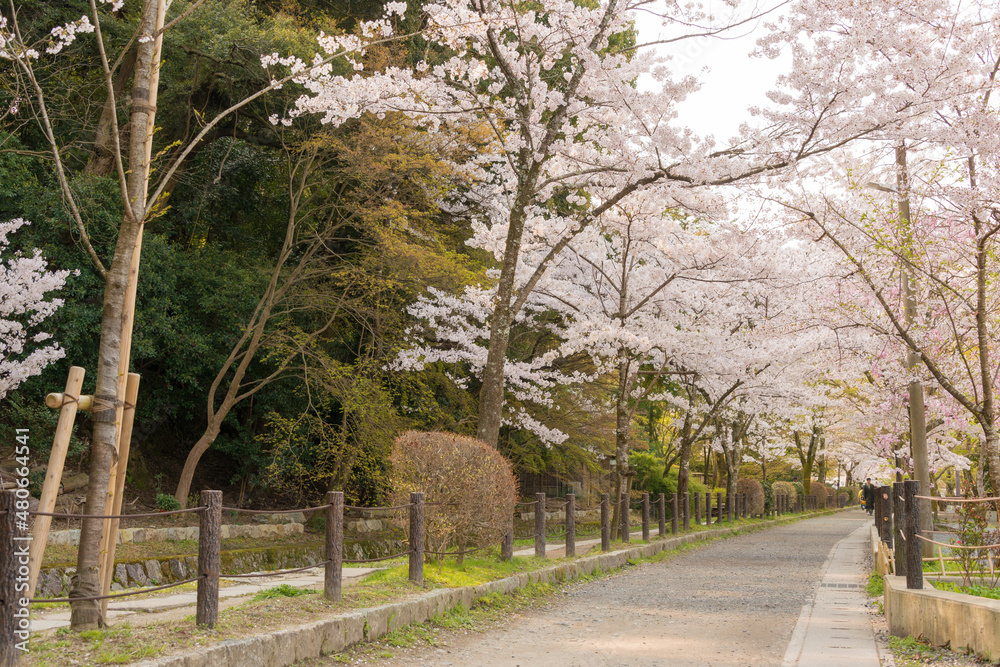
732, 603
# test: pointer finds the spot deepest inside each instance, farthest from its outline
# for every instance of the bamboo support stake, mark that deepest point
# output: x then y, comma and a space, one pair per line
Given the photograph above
109, 537
53, 475
56, 400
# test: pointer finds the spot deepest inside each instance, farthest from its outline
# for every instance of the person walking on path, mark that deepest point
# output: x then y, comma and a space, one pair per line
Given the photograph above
869, 490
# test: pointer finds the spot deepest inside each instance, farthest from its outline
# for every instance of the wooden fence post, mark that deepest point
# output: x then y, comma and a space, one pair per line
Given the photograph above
708, 508
624, 514
209, 550
884, 495
605, 522
661, 504
899, 528
14, 622
645, 517
570, 525
729, 507
417, 537
540, 525
914, 546
334, 545
673, 514
745, 505
718, 506
507, 546
697, 509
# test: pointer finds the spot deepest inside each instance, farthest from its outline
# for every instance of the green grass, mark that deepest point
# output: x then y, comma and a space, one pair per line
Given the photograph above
283, 590
975, 589
875, 588
910, 652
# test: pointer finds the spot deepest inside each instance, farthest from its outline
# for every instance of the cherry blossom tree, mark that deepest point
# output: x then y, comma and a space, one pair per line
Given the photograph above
562, 134
927, 72
25, 286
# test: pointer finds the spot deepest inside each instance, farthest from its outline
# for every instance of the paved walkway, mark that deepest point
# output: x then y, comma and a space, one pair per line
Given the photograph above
790, 595
833, 629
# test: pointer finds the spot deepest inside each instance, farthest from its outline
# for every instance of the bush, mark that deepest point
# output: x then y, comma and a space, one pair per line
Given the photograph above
785, 489
473, 482
167, 503
768, 497
800, 491
818, 492
755, 495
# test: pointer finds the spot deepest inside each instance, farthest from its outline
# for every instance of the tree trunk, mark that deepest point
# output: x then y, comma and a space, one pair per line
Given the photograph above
206, 440
491, 394
992, 450
102, 159
116, 324
622, 423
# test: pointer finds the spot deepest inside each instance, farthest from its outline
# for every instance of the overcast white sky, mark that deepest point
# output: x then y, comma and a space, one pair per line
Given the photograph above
733, 83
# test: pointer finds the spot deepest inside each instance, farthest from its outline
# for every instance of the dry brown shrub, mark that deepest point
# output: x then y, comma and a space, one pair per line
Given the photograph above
785, 489
469, 486
818, 491
755, 495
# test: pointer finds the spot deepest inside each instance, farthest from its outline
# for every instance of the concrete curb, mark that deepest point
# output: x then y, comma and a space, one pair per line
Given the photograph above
332, 635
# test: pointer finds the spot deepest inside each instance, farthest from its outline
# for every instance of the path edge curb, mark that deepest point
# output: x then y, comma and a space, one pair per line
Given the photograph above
281, 648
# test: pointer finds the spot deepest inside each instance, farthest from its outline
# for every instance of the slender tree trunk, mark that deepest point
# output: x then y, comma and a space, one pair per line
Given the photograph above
622, 422
115, 339
102, 159
491, 395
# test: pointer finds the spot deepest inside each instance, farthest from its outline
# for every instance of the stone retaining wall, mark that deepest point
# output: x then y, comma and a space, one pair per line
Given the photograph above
54, 581
139, 535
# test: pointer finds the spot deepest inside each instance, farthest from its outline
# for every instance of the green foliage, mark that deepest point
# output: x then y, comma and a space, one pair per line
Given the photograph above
282, 591
978, 590
799, 490
768, 496
649, 476
875, 587
975, 529
166, 502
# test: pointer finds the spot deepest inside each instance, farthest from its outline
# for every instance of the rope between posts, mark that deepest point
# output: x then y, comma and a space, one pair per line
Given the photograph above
116, 595
273, 574
459, 553
376, 560
958, 546
533, 502
60, 515
947, 499
246, 511
393, 507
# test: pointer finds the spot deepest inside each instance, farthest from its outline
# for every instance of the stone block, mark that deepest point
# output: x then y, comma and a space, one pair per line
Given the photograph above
136, 574
153, 571
121, 575
178, 569
283, 648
